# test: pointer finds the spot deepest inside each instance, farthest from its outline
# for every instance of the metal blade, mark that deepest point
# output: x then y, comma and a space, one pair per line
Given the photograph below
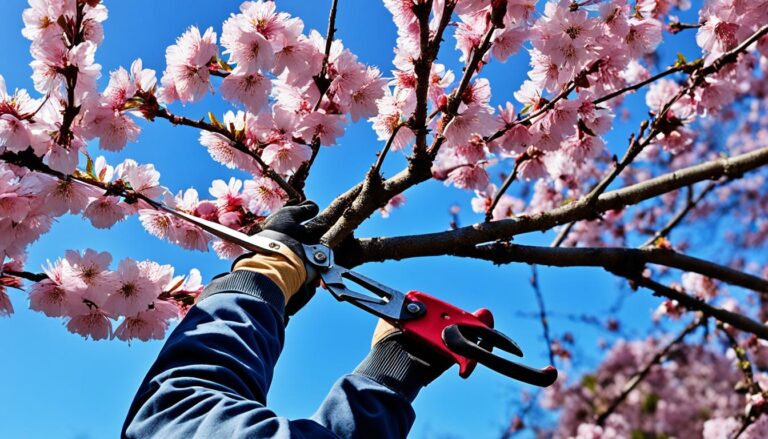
217, 230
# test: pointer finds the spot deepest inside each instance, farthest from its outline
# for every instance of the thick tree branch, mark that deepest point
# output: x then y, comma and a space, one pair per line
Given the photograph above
452, 241
611, 258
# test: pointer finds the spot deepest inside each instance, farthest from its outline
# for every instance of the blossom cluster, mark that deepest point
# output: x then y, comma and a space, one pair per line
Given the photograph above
143, 295
690, 394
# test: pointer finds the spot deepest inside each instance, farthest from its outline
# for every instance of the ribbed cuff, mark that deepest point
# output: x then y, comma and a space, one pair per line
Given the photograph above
390, 365
250, 283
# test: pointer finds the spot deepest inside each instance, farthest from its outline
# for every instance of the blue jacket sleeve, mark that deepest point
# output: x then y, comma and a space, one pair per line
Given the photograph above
212, 377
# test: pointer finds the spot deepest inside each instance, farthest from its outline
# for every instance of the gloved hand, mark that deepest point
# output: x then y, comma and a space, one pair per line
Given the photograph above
288, 268
400, 363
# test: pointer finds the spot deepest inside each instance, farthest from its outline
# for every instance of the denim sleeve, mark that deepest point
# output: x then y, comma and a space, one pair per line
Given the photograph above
211, 378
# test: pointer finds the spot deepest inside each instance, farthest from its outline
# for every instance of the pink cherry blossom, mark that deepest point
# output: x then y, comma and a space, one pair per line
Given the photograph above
187, 72
6, 307
143, 179
134, 289
149, 324
250, 89
263, 195
49, 296
94, 324
104, 211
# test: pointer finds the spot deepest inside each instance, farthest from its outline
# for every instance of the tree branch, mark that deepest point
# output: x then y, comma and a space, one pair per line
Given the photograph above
235, 143
323, 82
738, 321
449, 242
542, 312
610, 258
638, 377
679, 216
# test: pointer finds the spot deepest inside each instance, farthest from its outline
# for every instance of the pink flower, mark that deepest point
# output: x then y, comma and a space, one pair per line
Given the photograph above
533, 168
63, 196
286, 158
362, 102
263, 195
468, 177
158, 224
40, 20
63, 158
16, 110
13, 202
643, 37
92, 323
717, 36
226, 250
49, 296
393, 203
134, 289
325, 127
249, 50
250, 89
143, 179
104, 211
6, 307
148, 324
704, 287
88, 272
507, 41
187, 64
394, 108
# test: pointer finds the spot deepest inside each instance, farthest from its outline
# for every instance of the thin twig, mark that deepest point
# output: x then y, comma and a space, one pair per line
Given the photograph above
542, 312
235, 143
640, 375
679, 216
380, 160
519, 161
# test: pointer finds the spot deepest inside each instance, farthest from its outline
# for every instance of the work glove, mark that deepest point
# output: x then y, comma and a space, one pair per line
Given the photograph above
400, 363
287, 266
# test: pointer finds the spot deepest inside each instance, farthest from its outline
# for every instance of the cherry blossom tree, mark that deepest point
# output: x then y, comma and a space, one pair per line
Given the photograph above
535, 161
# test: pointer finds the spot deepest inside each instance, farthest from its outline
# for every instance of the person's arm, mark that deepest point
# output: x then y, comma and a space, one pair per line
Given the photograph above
212, 376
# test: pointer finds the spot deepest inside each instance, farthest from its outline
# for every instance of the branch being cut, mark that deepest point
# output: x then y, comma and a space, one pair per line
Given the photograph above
323, 82
452, 241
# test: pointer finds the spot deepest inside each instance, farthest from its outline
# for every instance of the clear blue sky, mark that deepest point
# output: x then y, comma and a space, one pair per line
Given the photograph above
56, 384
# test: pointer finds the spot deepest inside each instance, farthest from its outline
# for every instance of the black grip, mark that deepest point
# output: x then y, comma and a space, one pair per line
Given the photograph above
462, 340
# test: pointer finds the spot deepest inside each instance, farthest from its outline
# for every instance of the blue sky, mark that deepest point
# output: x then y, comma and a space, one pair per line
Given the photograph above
56, 384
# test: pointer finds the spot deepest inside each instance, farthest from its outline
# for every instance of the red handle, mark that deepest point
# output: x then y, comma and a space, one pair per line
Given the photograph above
429, 327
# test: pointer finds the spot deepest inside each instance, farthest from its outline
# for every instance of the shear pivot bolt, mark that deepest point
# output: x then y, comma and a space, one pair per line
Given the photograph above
274, 245
320, 256
413, 307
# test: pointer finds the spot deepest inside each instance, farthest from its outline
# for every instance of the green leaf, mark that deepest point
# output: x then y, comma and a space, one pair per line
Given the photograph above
89, 169
681, 61
214, 121
650, 404
589, 381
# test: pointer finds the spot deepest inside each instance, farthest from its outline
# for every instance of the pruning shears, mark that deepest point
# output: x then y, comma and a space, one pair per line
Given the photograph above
466, 338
